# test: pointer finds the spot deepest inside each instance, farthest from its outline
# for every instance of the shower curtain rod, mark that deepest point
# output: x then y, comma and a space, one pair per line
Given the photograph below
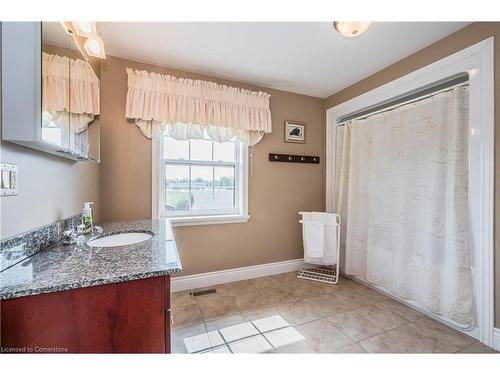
395, 106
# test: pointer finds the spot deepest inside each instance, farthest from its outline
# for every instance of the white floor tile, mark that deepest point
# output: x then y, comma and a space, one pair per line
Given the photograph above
270, 323
251, 345
203, 342
283, 337
238, 331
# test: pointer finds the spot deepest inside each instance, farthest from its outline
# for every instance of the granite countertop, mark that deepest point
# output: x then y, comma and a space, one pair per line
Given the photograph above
63, 267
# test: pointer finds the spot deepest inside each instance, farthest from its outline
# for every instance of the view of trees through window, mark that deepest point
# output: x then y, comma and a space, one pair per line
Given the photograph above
199, 175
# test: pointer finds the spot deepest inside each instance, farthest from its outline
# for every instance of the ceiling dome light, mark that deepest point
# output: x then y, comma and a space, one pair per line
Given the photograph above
351, 29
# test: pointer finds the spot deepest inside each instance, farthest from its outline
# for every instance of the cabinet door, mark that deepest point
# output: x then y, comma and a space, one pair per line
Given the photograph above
57, 53
50, 91
127, 317
70, 94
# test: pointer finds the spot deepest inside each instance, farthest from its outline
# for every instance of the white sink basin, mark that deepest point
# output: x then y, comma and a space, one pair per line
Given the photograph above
120, 239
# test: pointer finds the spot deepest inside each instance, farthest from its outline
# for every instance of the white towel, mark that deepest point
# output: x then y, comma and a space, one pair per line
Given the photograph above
313, 233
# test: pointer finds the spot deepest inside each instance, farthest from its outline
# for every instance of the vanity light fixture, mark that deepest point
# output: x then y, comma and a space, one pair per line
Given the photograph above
351, 29
85, 29
95, 47
86, 37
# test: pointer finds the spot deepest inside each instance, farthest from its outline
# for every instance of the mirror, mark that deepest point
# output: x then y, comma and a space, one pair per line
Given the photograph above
70, 94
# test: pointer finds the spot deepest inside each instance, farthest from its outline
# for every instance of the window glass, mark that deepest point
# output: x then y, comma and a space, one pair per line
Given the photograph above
224, 151
177, 195
224, 187
200, 177
201, 149
202, 187
174, 149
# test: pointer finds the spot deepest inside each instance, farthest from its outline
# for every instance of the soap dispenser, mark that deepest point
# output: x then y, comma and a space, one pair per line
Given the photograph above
87, 219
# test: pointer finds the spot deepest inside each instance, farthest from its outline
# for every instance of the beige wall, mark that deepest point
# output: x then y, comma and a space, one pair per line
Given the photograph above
277, 191
453, 43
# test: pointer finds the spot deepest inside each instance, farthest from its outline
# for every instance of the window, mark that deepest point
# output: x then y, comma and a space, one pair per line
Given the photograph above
201, 181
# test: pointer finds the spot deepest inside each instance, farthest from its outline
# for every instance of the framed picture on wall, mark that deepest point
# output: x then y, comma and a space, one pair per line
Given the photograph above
295, 132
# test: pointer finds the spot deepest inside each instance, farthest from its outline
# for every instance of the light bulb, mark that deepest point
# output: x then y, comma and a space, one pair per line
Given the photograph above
351, 29
85, 29
95, 47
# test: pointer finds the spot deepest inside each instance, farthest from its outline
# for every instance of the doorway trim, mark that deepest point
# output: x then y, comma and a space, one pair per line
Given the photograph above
478, 62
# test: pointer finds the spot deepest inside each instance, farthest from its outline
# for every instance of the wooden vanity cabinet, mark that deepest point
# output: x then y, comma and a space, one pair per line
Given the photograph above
126, 317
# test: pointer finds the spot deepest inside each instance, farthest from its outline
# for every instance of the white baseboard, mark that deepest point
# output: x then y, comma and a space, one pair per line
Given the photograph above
202, 280
496, 339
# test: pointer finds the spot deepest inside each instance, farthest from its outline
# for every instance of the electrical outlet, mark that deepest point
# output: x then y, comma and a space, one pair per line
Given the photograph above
9, 179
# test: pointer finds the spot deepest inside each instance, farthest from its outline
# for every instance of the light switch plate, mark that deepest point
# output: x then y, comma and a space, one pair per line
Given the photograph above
9, 179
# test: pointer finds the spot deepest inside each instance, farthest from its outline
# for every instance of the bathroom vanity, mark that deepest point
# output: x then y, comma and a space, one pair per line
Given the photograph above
83, 299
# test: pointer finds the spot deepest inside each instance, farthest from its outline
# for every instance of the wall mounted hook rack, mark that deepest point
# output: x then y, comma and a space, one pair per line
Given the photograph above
287, 158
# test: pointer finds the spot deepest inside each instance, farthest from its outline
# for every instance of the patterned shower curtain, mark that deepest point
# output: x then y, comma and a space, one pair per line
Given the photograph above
403, 201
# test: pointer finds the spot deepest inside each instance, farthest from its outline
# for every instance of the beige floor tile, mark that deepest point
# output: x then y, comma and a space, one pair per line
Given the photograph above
179, 299
224, 322
239, 287
322, 336
301, 347
252, 301
478, 348
286, 277
216, 306
267, 284
383, 343
350, 349
305, 289
298, 312
186, 315
351, 298
407, 339
354, 325
179, 334
251, 345
371, 295
284, 337
330, 288
238, 331
354, 313
439, 343
326, 304
382, 318
402, 310
259, 314
282, 296
433, 328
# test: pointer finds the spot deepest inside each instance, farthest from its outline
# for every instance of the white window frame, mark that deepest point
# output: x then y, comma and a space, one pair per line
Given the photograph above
478, 62
238, 215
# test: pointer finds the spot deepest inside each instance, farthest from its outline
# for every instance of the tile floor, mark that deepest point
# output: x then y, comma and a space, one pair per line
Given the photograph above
283, 314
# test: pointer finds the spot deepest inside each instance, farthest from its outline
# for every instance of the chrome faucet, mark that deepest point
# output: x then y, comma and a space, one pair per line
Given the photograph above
72, 236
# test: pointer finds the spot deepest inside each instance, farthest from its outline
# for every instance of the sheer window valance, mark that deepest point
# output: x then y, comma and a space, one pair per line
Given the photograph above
190, 109
70, 91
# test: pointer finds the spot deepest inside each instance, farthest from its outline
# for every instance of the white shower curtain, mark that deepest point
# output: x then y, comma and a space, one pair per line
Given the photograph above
403, 202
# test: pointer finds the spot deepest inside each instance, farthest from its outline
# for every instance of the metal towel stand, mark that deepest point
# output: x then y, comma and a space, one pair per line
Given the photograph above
324, 274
